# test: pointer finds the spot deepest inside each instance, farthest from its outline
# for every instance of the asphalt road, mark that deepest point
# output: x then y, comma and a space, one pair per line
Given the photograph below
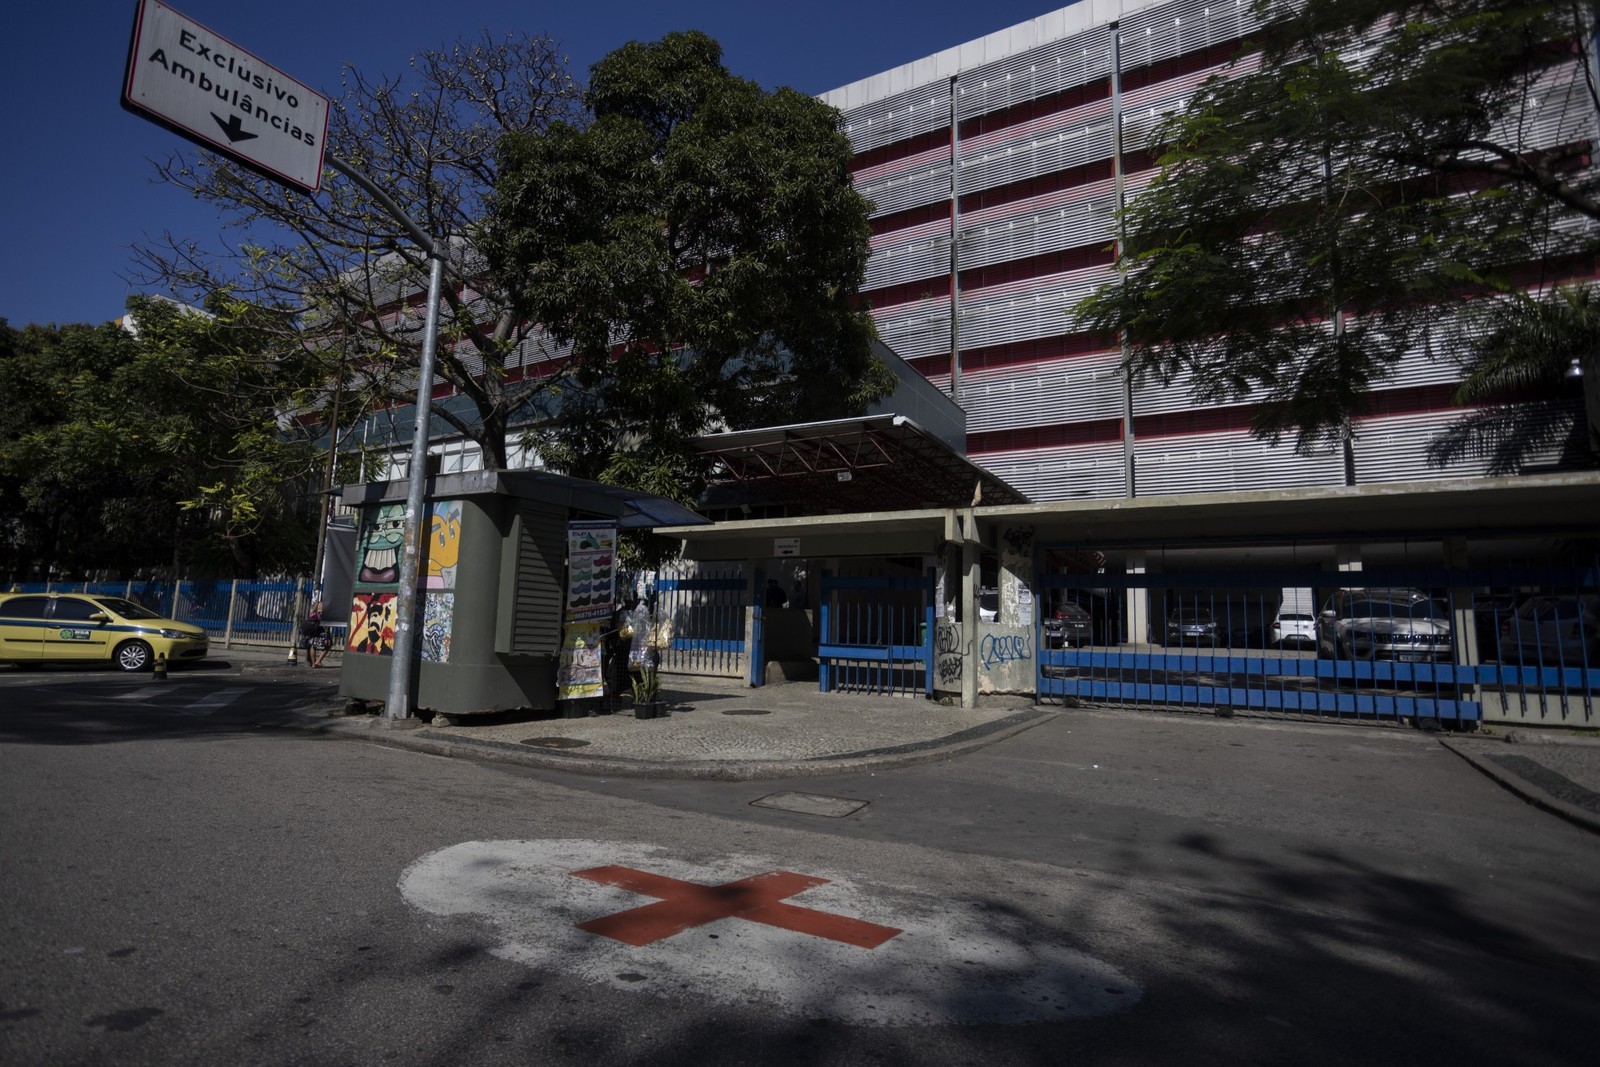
193, 874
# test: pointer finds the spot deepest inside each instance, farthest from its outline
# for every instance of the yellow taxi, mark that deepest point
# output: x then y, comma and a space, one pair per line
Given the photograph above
82, 628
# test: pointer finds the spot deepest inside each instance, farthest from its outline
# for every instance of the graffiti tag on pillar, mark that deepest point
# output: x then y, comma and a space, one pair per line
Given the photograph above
949, 663
996, 649
1019, 540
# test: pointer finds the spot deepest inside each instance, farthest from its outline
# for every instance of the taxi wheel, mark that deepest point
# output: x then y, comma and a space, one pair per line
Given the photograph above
134, 656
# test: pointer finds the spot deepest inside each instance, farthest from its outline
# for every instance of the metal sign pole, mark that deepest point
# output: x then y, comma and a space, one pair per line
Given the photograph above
398, 704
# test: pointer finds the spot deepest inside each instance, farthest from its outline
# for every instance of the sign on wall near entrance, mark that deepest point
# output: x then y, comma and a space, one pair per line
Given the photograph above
204, 87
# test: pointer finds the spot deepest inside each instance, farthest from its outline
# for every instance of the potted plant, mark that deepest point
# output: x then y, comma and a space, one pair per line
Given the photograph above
647, 693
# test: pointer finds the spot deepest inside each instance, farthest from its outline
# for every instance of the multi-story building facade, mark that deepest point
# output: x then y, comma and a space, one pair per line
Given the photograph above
997, 168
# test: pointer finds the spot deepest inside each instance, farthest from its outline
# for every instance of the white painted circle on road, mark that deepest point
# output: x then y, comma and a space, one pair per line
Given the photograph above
952, 962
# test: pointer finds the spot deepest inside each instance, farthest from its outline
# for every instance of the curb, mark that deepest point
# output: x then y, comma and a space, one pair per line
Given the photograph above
439, 743
1532, 792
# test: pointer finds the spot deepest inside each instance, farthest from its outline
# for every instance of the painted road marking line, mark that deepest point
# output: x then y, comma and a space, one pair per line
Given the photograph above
211, 702
685, 905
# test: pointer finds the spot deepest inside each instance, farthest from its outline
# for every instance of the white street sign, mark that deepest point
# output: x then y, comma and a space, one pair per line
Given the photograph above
208, 89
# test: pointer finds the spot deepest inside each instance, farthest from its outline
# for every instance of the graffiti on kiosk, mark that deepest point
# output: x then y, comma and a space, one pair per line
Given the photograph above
996, 649
949, 664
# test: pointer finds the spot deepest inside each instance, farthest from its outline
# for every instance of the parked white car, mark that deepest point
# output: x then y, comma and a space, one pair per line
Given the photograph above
1294, 629
1391, 624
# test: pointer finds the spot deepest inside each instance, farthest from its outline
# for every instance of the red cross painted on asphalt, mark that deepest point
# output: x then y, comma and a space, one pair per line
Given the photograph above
684, 905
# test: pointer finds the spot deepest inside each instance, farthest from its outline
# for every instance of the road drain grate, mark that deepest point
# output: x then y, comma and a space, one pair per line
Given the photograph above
811, 804
746, 711
554, 742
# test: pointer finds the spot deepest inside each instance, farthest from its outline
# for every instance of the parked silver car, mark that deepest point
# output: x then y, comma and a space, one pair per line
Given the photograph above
1390, 624
1554, 629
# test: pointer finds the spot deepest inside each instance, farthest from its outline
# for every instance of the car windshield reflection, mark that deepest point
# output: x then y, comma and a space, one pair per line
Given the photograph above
127, 608
1388, 609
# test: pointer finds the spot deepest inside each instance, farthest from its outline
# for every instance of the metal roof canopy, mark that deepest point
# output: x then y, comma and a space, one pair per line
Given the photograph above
873, 463
1557, 504
633, 509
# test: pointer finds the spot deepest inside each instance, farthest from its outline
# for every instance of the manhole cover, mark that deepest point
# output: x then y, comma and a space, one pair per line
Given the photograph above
811, 804
746, 711
554, 742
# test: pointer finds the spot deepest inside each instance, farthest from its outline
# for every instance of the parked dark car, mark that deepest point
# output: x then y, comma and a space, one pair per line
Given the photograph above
1191, 626
1491, 617
1070, 624
1554, 629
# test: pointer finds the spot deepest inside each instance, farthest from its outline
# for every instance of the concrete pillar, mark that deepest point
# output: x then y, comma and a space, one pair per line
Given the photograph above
970, 581
1463, 622
1138, 606
754, 588
1016, 576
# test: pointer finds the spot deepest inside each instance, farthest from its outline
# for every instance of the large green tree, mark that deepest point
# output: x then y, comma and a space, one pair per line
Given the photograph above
1320, 209
699, 245
137, 449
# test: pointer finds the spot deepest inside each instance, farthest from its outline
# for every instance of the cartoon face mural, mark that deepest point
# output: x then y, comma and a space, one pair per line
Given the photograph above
381, 541
372, 618
444, 544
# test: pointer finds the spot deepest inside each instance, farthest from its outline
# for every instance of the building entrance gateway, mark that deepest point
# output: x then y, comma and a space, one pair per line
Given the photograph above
877, 633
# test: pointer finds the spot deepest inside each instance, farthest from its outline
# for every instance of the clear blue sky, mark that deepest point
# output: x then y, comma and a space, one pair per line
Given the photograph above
76, 189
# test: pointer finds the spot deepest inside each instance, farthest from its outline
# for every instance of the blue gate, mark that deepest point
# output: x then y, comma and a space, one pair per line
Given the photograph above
877, 634
1422, 644
707, 610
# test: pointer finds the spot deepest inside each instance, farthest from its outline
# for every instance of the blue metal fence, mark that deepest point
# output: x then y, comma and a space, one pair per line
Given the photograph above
1423, 644
707, 610
877, 634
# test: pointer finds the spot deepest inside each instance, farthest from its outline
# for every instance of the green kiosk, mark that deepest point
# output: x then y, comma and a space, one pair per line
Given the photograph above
496, 599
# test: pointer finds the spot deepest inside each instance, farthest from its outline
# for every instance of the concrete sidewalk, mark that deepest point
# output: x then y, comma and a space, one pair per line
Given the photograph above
1558, 772
712, 728
723, 729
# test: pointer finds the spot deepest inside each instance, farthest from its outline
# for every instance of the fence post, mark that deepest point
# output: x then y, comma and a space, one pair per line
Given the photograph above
294, 621
757, 644
227, 631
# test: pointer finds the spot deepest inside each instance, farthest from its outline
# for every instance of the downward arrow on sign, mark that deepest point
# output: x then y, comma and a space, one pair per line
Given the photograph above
235, 132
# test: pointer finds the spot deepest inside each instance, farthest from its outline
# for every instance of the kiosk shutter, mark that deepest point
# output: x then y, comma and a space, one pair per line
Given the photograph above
541, 562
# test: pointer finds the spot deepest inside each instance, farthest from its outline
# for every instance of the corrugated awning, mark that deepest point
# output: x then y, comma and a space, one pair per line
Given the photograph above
875, 463
633, 509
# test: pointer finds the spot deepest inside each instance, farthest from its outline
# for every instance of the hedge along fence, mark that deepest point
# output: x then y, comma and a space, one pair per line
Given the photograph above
231, 611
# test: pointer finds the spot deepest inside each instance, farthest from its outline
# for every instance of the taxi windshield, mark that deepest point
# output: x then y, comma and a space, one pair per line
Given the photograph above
127, 608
